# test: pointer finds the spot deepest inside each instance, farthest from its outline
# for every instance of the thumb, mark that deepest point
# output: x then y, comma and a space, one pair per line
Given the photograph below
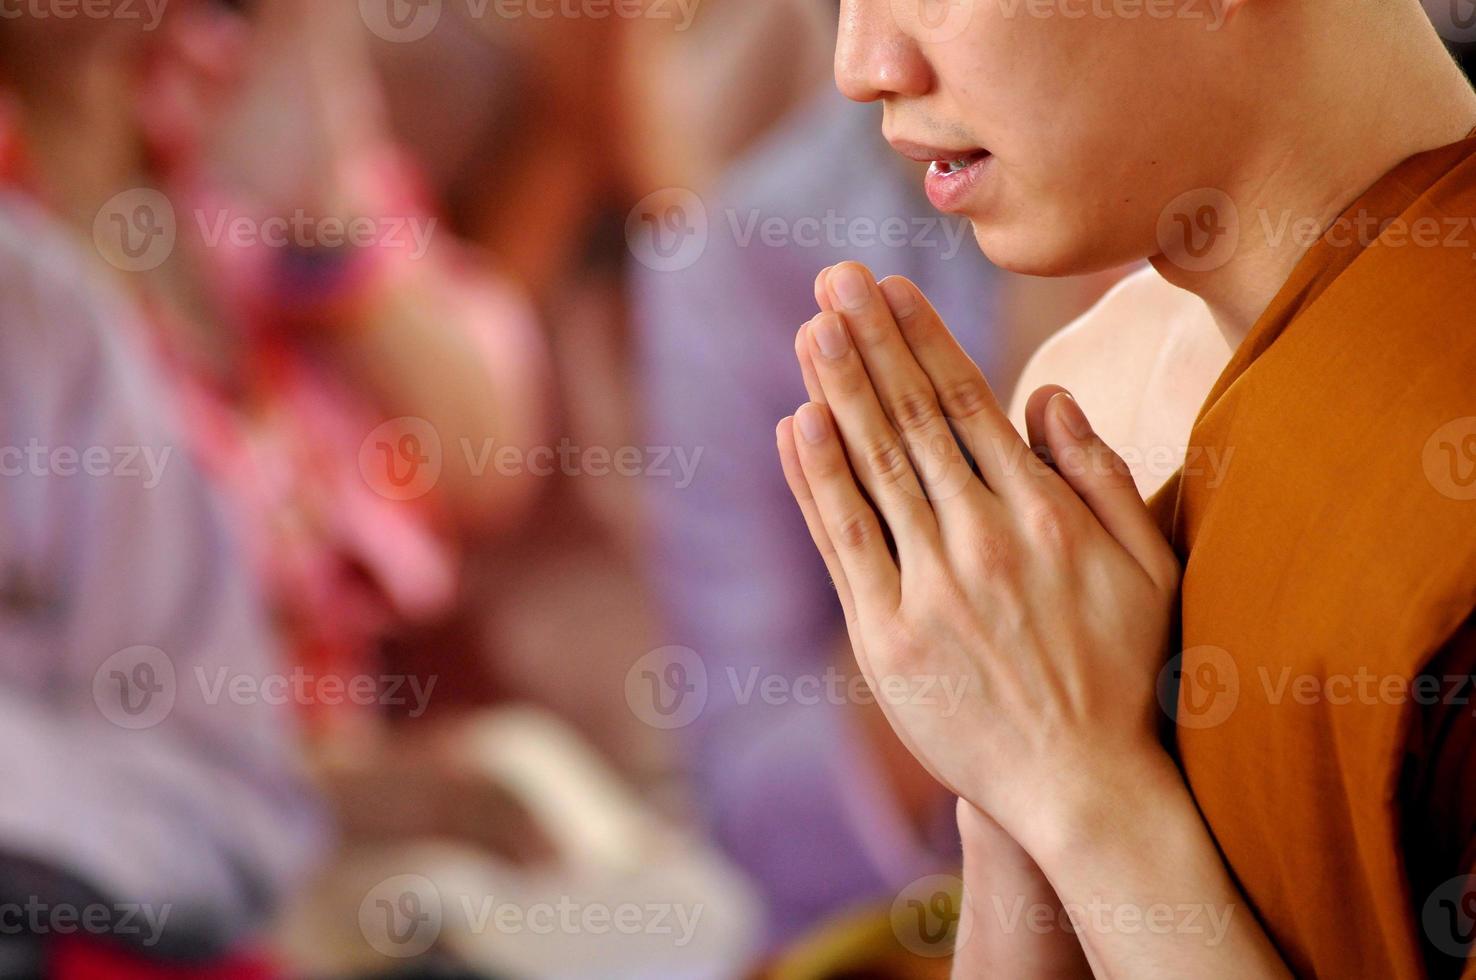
1105, 484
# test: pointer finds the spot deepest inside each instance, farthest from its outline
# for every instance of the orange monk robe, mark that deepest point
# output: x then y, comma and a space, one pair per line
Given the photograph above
1328, 565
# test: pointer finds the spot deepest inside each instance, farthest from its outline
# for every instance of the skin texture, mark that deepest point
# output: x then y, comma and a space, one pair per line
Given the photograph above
1098, 124
1028, 580
1047, 748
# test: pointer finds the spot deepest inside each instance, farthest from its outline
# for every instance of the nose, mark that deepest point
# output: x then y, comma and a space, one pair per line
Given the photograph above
875, 58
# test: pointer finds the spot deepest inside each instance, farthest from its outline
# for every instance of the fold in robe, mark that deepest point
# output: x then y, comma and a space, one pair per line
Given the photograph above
1329, 563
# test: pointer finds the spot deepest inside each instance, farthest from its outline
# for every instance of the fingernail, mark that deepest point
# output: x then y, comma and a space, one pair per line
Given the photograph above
849, 287
1071, 415
811, 423
830, 337
899, 297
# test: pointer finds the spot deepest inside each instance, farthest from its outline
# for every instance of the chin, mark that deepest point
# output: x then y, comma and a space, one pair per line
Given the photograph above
1030, 248
1025, 249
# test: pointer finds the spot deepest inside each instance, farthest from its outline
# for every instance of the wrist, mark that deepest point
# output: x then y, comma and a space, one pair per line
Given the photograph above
1075, 810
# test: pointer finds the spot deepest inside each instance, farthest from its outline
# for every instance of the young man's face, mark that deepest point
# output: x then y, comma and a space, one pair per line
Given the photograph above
1094, 114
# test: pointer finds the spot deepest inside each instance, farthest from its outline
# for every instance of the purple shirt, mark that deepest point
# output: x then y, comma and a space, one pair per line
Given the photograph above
127, 768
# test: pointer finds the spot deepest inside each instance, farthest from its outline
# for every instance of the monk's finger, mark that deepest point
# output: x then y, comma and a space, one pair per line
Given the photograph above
876, 450
849, 522
807, 364
822, 295
794, 475
1105, 484
1004, 460
904, 390
801, 340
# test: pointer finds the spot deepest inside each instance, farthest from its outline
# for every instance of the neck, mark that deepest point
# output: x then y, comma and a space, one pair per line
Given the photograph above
1322, 136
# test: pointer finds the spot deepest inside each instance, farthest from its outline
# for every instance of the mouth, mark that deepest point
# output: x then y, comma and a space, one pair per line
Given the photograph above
957, 164
953, 172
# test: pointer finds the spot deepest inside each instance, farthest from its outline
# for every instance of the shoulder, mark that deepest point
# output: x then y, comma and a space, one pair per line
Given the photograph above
1113, 349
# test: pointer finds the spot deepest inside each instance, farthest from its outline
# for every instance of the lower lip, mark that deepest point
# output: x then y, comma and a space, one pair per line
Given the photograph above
948, 191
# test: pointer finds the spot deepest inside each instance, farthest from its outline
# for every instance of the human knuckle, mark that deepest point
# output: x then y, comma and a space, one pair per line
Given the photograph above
994, 554
966, 397
1048, 523
857, 530
886, 459
914, 410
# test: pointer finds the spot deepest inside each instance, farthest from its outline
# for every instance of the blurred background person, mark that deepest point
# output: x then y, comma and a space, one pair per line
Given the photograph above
287, 355
149, 826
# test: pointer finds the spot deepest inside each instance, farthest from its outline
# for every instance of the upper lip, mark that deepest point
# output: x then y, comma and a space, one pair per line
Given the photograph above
924, 153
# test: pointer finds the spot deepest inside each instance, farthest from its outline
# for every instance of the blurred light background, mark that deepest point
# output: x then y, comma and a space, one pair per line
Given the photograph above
396, 574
